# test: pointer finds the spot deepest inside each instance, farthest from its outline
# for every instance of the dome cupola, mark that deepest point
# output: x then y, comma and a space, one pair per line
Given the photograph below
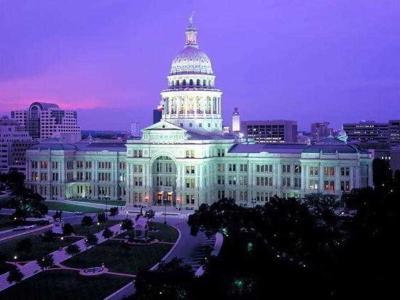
191, 60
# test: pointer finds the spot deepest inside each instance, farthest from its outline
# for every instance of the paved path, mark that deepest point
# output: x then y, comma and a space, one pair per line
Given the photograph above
32, 268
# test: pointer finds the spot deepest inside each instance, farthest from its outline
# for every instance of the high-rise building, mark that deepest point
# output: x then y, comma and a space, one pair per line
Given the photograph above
394, 132
367, 132
270, 131
46, 120
14, 141
236, 121
320, 131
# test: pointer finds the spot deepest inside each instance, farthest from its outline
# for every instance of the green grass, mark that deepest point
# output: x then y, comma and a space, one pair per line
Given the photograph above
119, 257
71, 207
82, 230
110, 203
165, 233
66, 285
39, 248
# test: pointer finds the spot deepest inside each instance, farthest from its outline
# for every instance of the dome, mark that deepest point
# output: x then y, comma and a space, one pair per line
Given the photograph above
191, 60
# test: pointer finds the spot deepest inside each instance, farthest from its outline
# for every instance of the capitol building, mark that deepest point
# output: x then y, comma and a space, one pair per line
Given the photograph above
186, 159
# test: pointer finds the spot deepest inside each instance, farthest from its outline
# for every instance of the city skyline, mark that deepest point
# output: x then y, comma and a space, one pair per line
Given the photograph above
87, 57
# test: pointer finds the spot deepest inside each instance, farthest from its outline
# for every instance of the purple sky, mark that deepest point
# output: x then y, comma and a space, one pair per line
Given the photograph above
334, 60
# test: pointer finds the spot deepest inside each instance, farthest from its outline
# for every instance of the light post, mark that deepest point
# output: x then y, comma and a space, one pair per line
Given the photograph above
165, 211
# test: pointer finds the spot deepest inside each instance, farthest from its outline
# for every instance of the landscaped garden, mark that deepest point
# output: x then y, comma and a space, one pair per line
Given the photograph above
65, 284
51, 205
120, 257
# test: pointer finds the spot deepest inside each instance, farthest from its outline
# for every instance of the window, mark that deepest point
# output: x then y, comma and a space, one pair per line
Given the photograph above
232, 180
221, 168
285, 168
329, 185
243, 168
314, 171
189, 169
232, 168
190, 183
286, 181
329, 171
345, 186
297, 182
220, 152
297, 169
220, 180
189, 153
345, 171
137, 153
313, 184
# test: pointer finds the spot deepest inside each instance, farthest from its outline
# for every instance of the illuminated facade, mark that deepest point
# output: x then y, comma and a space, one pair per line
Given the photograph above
186, 159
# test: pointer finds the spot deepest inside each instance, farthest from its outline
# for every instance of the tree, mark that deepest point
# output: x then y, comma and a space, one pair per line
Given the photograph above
87, 221
72, 249
45, 262
15, 275
91, 239
24, 245
127, 225
113, 211
68, 229
107, 233
172, 280
101, 217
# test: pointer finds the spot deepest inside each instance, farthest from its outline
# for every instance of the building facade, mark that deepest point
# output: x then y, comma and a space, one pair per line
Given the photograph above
270, 131
186, 159
47, 120
14, 141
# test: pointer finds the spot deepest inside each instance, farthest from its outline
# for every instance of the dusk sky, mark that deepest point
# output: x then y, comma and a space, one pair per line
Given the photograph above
309, 61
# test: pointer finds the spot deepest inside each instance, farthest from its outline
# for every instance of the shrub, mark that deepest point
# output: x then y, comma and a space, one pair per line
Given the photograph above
87, 221
91, 239
15, 275
113, 211
45, 262
101, 217
127, 224
68, 229
73, 249
107, 233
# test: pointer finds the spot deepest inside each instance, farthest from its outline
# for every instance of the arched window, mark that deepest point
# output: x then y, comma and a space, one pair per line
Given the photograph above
184, 82
191, 82
177, 83
209, 83
198, 82
204, 83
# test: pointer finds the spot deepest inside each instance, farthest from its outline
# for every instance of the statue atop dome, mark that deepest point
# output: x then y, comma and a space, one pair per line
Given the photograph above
191, 33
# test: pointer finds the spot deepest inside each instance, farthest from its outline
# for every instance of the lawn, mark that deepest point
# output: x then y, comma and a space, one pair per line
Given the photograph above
64, 285
110, 203
71, 207
39, 247
120, 257
82, 230
165, 233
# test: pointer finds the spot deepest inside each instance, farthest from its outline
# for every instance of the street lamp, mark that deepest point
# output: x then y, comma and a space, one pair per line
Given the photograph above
165, 211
